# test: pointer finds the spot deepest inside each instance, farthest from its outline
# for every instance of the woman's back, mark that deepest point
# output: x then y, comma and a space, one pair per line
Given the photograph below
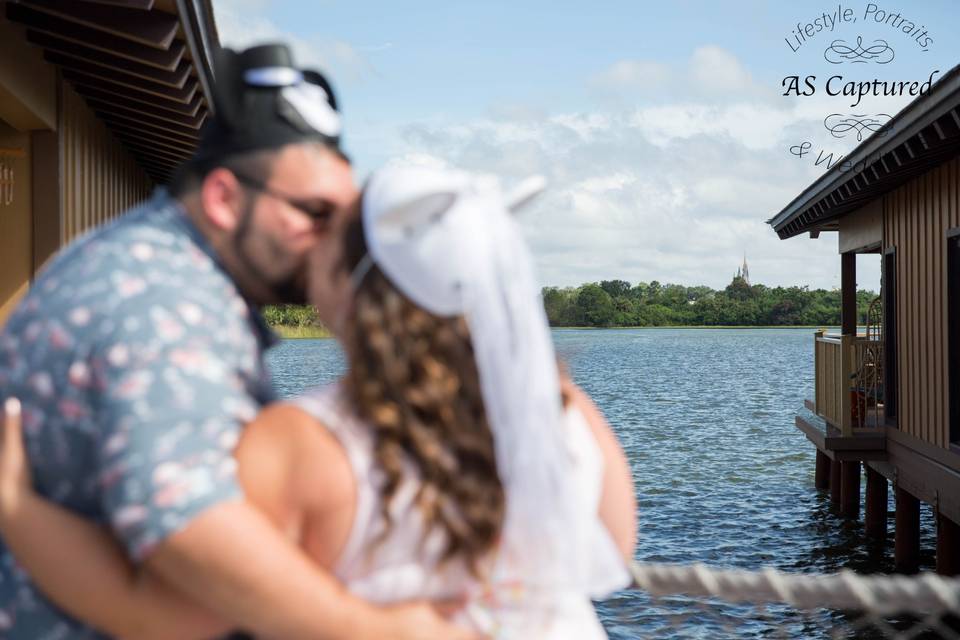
405, 563
339, 519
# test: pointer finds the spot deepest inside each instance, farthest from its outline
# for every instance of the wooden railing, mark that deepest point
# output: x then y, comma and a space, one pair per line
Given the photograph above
847, 380
833, 366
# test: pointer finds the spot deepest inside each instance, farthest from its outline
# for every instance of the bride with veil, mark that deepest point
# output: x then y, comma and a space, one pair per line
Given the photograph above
453, 461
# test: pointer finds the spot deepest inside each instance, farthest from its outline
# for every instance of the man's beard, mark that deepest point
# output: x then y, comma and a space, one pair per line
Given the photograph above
291, 289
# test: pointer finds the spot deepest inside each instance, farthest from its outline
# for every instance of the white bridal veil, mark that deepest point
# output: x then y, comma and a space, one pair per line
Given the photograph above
448, 240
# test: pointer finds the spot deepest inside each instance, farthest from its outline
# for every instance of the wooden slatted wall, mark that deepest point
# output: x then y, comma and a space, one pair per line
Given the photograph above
99, 178
916, 219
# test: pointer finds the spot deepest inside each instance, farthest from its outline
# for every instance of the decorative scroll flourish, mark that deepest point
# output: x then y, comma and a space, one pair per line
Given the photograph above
840, 125
840, 51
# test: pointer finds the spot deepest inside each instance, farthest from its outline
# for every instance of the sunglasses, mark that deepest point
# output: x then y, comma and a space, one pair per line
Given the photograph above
319, 214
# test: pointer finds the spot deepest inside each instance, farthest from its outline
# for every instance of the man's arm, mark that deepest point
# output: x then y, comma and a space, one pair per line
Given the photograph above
231, 559
234, 560
79, 566
83, 570
175, 392
273, 590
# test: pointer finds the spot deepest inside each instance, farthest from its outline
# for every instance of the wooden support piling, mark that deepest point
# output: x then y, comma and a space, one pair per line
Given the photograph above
907, 534
835, 483
876, 505
948, 546
850, 489
821, 476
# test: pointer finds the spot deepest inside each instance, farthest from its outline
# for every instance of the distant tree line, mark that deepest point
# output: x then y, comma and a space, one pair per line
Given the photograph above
617, 303
291, 315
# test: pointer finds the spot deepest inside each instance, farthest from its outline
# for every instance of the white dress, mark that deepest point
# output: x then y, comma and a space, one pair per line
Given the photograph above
404, 565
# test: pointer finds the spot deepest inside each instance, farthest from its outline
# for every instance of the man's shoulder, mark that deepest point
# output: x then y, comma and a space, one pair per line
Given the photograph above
153, 230
143, 273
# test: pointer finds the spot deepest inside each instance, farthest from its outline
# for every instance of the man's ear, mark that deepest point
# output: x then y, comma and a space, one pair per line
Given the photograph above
222, 197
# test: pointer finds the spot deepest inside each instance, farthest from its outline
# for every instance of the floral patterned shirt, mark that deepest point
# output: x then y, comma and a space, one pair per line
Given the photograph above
137, 362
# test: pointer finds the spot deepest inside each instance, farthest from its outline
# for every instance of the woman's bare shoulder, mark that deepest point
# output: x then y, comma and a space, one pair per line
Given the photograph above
290, 450
297, 471
281, 421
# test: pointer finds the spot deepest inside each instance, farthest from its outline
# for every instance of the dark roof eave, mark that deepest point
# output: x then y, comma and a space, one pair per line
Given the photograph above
919, 113
200, 30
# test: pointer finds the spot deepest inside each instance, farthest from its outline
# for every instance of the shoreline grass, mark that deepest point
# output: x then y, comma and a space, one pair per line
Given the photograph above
288, 332
713, 326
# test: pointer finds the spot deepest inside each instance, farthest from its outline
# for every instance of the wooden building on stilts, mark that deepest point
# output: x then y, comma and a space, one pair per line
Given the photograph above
100, 100
888, 399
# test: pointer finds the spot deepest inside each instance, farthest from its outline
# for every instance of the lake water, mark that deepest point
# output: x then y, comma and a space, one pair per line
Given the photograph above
722, 475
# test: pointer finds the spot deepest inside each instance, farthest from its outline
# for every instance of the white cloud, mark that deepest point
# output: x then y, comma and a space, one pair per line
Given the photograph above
582, 124
645, 75
415, 159
725, 193
710, 72
675, 187
605, 184
753, 125
241, 24
675, 193
718, 71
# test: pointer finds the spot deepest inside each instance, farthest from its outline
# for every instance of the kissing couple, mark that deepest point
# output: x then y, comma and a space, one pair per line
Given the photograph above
453, 484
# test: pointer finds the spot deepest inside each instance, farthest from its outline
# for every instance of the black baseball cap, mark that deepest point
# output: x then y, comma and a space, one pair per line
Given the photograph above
263, 101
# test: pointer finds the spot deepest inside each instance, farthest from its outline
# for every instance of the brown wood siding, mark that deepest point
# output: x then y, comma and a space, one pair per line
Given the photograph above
916, 219
862, 228
16, 228
99, 178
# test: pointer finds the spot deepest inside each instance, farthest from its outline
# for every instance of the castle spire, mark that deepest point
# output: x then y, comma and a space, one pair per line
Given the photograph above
744, 270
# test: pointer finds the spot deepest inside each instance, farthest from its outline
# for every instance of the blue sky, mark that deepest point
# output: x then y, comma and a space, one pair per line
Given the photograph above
660, 126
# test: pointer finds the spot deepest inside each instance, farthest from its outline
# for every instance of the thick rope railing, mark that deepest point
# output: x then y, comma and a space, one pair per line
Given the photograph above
881, 595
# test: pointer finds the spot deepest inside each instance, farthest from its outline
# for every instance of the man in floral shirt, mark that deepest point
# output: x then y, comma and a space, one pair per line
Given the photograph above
137, 357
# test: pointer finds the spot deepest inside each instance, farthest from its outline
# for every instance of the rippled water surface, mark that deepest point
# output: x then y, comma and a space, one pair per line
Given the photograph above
722, 475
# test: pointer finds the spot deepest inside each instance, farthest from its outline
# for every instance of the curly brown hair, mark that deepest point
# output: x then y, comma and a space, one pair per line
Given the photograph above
413, 378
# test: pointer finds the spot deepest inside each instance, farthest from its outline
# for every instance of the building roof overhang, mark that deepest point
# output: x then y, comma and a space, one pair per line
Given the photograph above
924, 134
143, 66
